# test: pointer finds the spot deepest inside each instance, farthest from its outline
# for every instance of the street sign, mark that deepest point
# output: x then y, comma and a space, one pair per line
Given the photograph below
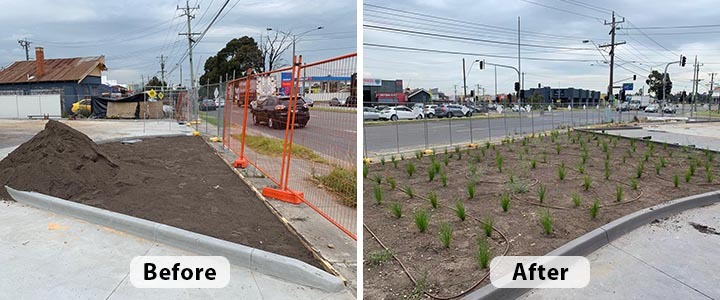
627, 86
152, 93
216, 93
160, 95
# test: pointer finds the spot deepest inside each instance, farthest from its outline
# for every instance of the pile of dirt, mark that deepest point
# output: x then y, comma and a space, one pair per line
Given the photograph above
58, 161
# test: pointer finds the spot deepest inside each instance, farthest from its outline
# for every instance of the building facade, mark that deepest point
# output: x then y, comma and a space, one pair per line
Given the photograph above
563, 96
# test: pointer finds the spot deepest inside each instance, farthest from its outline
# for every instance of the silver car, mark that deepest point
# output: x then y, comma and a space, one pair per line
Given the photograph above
370, 114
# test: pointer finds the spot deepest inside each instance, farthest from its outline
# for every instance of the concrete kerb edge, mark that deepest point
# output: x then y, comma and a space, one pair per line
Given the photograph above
604, 235
285, 268
149, 136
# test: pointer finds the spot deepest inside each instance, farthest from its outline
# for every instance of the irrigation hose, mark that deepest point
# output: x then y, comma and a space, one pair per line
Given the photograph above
405, 270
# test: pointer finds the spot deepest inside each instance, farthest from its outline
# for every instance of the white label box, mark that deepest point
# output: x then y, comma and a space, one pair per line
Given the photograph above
173, 272
540, 272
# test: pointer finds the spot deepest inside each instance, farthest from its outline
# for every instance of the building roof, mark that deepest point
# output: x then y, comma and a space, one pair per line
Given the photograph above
59, 69
416, 91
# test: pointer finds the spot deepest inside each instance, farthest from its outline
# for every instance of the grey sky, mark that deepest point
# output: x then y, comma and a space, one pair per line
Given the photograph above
133, 34
427, 70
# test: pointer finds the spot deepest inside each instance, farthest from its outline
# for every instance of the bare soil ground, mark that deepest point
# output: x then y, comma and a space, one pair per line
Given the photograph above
454, 270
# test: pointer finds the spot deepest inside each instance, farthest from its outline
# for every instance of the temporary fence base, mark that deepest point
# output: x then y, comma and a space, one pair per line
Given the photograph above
241, 163
287, 195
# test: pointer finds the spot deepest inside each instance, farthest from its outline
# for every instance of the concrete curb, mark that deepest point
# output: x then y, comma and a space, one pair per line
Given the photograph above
605, 234
285, 268
149, 136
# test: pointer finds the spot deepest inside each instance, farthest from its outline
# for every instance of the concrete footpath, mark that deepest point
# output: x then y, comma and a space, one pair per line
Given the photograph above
672, 258
701, 135
49, 256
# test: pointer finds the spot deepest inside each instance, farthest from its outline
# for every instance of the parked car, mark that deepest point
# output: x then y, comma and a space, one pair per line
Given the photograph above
220, 102
430, 110
477, 108
336, 102
669, 109
82, 107
400, 112
370, 114
452, 110
308, 101
623, 107
273, 110
652, 108
207, 104
351, 101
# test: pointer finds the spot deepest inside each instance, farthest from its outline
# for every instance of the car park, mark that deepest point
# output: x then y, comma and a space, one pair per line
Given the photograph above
370, 114
400, 112
273, 111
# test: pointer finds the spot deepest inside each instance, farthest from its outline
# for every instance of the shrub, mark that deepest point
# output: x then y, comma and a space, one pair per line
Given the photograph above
378, 179
365, 170
541, 193
409, 191
421, 220
483, 254
546, 222
488, 225
446, 160
586, 182
533, 163
382, 160
688, 176
391, 181
378, 194
446, 234
562, 172
634, 184
618, 193
594, 209
499, 162
505, 202
460, 210
433, 199
410, 169
443, 179
676, 180
396, 209
576, 199
471, 189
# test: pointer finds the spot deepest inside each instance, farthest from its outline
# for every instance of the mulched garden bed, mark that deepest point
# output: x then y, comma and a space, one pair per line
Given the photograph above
449, 272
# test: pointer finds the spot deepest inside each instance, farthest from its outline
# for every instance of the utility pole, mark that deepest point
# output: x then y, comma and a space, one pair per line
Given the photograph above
455, 87
25, 44
187, 11
162, 71
519, 69
464, 83
613, 27
496, 82
712, 83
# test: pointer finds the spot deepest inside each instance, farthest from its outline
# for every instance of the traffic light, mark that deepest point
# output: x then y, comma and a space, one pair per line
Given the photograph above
683, 60
482, 64
538, 85
517, 86
622, 95
634, 77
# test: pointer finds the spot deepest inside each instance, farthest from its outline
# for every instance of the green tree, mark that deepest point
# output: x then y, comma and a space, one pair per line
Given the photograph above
655, 84
536, 99
238, 55
155, 83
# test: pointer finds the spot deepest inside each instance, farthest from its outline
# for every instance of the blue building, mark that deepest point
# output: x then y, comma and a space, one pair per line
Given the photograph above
564, 96
72, 78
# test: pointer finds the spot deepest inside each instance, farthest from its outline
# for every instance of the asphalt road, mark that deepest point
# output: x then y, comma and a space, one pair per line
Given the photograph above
395, 137
332, 134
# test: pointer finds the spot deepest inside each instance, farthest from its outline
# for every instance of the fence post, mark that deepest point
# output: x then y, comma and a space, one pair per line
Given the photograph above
241, 161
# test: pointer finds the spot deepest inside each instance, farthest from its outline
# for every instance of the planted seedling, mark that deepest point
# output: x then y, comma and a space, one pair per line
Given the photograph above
607, 170
499, 162
382, 160
473, 170
576, 199
431, 173
646, 156
546, 221
542, 192
433, 199
365, 170
419, 155
446, 160
618, 193
639, 170
562, 172
443, 179
634, 184
688, 176
410, 169
512, 178
692, 169
421, 220
482, 151
676, 180
544, 157
558, 148
505, 202
460, 210
457, 149
533, 163
408, 190
658, 167
488, 225
378, 194
391, 181
581, 169
397, 209
446, 234
663, 162
594, 209
586, 183
471, 189
709, 176
483, 254
376, 258
378, 179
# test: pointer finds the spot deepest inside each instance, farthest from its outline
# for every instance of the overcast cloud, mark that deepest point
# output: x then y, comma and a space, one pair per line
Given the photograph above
427, 70
133, 34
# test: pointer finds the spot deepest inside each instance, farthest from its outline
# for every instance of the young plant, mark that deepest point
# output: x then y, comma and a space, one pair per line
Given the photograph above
658, 167
376, 258
446, 234
421, 220
586, 183
558, 148
433, 199
378, 179
431, 173
542, 192
443, 179
607, 169
544, 157
397, 209
562, 172
378, 194
512, 178
365, 170
488, 225
594, 209
392, 182
499, 162
409, 191
581, 169
639, 170
505, 202
676, 180
533, 163
584, 157
663, 162
382, 160
576, 199
483, 255
688, 176
471, 189
457, 149
634, 184
618, 193
546, 222
446, 160
692, 169
460, 210
605, 146
419, 155
709, 176
482, 151
410, 169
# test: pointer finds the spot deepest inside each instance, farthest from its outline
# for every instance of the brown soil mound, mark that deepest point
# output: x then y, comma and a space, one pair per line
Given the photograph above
58, 161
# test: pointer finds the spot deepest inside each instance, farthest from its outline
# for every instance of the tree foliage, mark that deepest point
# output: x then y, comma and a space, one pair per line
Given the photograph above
655, 84
238, 55
154, 83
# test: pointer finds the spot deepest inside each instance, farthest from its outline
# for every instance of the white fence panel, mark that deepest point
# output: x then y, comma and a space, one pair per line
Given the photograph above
22, 106
8, 107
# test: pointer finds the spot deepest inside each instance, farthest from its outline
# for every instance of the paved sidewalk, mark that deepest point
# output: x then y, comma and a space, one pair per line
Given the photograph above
49, 256
673, 258
702, 135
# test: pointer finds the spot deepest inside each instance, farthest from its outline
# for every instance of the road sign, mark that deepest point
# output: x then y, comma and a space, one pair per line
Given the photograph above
160, 95
216, 93
627, 86
152, 93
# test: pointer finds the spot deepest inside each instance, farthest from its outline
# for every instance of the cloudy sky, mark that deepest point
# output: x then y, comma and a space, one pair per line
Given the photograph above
132, 34
552, 32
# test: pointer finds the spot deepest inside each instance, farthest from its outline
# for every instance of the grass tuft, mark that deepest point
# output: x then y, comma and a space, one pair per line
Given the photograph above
594, 209
618, 193
576, 199
676, 180
488, 225
408, 190
533, 163
634, 184
483, 255
586, 183
410, 169
446, 234
542, 192
471, 189
505, 202
562, 172
460, 210
546, 221
397, 209
392, 182
378, 194
422, 220
376, 258
432, 197
443, 179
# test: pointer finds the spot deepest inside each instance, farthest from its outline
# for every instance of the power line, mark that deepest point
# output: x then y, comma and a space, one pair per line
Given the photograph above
563, 10
473, 54
588, 6
675, 27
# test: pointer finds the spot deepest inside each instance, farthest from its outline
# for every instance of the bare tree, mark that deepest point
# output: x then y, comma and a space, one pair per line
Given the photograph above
274, 47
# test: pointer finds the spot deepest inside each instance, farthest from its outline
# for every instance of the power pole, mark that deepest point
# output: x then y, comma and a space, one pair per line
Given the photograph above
25, 44
187, 11
455, 87
464, 83
613, 27
162, 71
712, 83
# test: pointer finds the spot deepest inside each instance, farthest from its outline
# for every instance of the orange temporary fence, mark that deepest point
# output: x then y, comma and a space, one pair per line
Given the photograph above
311, 161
